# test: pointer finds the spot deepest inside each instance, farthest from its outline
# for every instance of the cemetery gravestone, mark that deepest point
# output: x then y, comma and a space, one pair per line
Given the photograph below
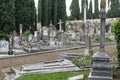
4, 46
45, 33
16, 40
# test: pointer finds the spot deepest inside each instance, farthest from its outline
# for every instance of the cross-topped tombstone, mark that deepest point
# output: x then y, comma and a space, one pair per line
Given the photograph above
60, 30
101, 60
60, 25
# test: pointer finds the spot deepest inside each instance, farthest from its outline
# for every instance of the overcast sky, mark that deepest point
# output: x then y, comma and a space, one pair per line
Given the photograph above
68, 3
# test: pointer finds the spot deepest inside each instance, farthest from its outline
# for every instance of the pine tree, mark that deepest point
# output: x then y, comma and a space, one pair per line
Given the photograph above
75, 10
25, 13
39, 10
96, 13
7, 18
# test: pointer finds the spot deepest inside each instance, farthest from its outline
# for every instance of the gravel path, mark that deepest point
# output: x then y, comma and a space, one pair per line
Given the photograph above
16, 62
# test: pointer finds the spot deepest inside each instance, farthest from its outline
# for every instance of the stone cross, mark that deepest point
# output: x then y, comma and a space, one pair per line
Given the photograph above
101, 60
84, 20
60, 25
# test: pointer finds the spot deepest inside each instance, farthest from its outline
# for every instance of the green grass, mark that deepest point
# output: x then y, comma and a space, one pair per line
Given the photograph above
53, 76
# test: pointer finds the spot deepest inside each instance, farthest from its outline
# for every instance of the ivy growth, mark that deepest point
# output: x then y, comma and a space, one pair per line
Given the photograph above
116, 30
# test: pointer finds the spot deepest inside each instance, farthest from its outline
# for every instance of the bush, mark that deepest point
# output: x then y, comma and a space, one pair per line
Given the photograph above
116, 30
97, 39
83, 61
4, 36
27, 33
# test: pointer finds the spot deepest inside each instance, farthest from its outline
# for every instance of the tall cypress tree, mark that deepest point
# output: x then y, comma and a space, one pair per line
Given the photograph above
61, 12
96, 13
7, 18
39, 10
55, 13
90, 15
45, 11
25, 14
75, 10
114, 11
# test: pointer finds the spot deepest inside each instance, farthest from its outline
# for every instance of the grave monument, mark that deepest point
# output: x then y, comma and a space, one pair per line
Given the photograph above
101, 60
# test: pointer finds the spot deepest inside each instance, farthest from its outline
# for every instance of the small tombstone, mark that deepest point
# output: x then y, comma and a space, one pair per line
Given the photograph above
45, 33
39, 27
52, 31
30, 37
35, 36
52, 42
4, 46
16, 41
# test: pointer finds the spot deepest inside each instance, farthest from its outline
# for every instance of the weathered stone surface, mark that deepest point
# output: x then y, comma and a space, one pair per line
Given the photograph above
49, 67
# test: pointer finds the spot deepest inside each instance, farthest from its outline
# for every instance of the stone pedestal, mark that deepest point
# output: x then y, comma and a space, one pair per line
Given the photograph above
101, 67
88, 50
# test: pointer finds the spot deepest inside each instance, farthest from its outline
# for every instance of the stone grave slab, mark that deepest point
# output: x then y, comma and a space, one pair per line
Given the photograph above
70, 56
49, 67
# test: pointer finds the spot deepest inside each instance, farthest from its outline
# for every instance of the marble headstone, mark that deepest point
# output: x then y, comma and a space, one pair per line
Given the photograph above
4, 46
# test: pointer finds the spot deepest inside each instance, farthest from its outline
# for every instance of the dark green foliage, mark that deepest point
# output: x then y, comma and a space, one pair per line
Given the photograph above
25, 13
114, 11
61, 12
90, 14
116, 30
45, 12
39, 10
7, 18
83, 61
4, 36
96, 13
53, 11
75, 10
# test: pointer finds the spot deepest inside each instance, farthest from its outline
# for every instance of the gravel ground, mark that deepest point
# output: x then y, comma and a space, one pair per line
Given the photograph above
17, 62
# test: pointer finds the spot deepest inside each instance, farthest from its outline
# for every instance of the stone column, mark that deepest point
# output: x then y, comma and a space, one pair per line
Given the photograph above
84, 21
20, 34
101, 60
